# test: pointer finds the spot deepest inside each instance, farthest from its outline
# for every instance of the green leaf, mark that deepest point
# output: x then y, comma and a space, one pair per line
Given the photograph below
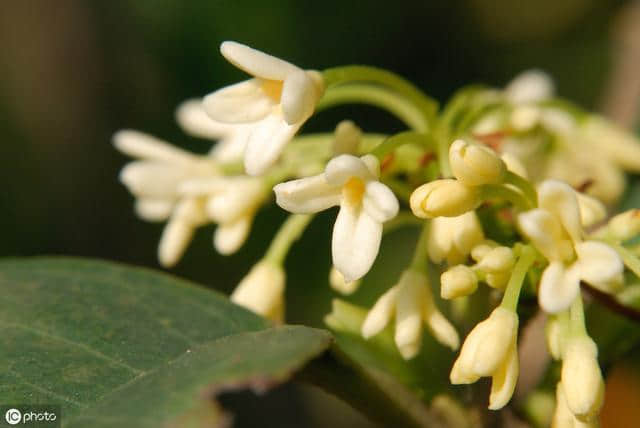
121, 346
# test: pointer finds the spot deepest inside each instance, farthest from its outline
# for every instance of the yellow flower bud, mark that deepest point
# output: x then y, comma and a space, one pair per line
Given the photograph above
475, 165
261, 291
444, 198
458, 281
625, 225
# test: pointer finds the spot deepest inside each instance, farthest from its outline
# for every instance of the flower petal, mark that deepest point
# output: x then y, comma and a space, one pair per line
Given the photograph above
409, 311
529, 86
154, 209
266, 142
139, 145
192, 118
592, 211
544, 230
341, 168
298, 98
243, 102
381, 313
229, 237
560, 199
503, 381
380, 202
558, 287
255, 62
600, 265
356, 241
240, 196
307, 195
153, 179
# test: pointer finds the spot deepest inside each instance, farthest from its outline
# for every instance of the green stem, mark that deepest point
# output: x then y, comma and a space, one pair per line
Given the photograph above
397, 140
378, 97
443, 154
360, 73
524, 185
288, 233
512, 292
420, 254
490, 191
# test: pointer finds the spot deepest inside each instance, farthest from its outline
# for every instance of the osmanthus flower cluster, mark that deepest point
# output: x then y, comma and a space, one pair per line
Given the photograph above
480, 178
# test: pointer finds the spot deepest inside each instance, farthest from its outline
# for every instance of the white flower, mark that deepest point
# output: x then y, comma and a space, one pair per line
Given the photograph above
490, 350
232, 138
262, 291
411, 303
474, 164
444, 198
154, 180
187, 216
452, 238
277, 101
365, 203
337, 282
232, 202
555, 230
581, 378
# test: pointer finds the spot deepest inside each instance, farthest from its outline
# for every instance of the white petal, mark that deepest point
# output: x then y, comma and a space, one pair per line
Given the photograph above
139, 145
381, 313
592, 211
203, 186
373, 165
307, 195
244, 102
503, 382
600, 265
229, 237
380, 202
355, 243
266, 142
192, 118
255, 62
341, 168
153, 179
558, 287
154, 209
409, 310
440, 238
560, 199
178, 232
298, 97
241, 196
232, 148
441, 328
467, 232
544, 231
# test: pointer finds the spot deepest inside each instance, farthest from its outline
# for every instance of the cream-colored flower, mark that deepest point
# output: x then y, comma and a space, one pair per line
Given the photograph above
187, 216
411, 304
491, 350
347, 138
452, 238
555, 230
474, 164
277, 101
530, 86
444, 198
262, 291
494, 263
625, 225
365, 203
581, 378
232, 202
231, 137
337, 282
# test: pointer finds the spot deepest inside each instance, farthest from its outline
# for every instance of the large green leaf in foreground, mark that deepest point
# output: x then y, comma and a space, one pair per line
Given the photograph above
120, 346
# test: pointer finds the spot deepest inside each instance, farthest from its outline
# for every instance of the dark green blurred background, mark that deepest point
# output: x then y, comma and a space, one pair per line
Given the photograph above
74, 72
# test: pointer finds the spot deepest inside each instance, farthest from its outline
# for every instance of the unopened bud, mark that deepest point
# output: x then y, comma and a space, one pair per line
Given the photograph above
475, 165
261, 291
444, 198
458, 281
625, 225
347, 138
337, 282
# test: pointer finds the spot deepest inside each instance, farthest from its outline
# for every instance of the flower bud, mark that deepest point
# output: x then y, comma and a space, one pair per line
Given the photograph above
625, 225
261, 291
554, 333
458, 281
562, 416
475, 165
347, 138
452, 238
581, 378
490, 350
524, 117
530, 86
499, 259
444, 198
